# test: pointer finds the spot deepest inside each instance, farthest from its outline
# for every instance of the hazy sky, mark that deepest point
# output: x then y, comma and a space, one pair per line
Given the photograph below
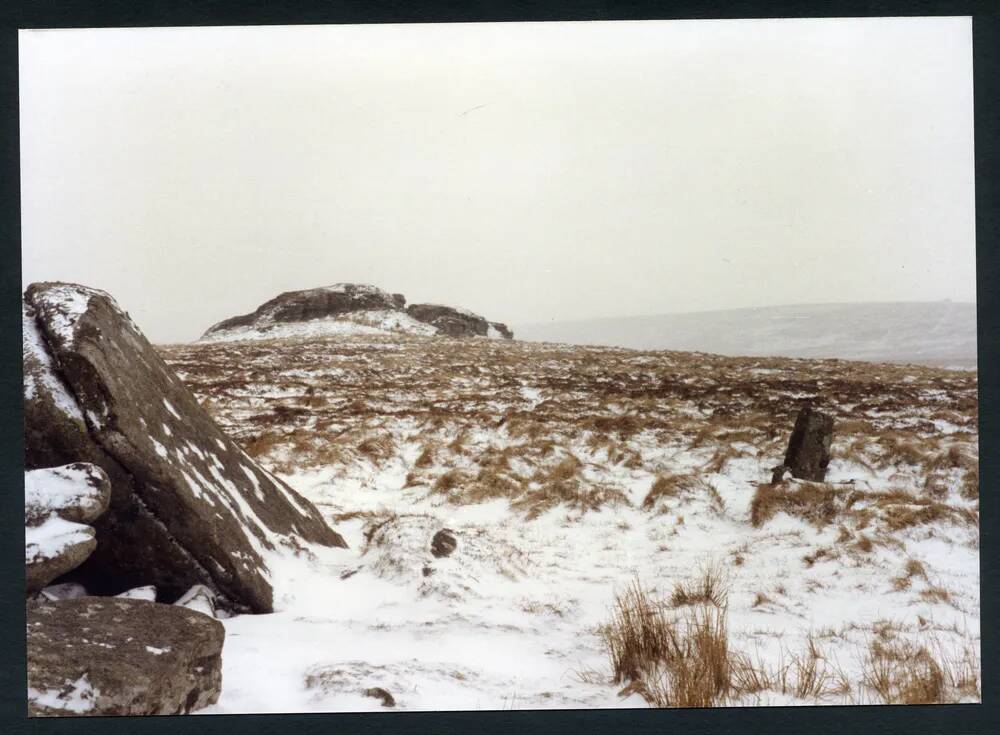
525, 171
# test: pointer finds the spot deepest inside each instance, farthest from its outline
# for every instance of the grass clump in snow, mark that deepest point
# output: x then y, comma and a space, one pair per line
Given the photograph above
819, 504
710, 587
903, 672
670, 661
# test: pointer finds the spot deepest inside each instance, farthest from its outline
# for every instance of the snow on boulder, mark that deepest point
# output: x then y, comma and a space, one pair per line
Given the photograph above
113, 656
188, 506
57, 503
54, 547
77, 492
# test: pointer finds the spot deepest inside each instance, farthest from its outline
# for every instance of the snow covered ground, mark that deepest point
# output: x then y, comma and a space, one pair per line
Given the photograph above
541, 458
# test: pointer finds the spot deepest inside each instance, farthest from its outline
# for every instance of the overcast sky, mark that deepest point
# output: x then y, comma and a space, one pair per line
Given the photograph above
528, 172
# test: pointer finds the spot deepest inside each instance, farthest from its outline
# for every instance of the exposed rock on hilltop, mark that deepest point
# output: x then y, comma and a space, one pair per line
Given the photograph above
315, 303
188, 506
346, 308
457, 322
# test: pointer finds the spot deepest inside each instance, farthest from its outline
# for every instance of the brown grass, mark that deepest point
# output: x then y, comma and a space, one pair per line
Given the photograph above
818, 504
670, 662
902, 673
710, 587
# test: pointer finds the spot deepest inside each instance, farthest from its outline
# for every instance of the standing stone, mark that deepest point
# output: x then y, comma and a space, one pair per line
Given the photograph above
808, 452
115, 656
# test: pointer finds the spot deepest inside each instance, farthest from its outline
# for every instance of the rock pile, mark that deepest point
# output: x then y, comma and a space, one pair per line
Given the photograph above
187, 506
58, 502
344, 299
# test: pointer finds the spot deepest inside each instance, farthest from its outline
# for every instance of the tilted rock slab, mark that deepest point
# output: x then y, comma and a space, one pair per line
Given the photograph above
114, 656
57, 503
188, 506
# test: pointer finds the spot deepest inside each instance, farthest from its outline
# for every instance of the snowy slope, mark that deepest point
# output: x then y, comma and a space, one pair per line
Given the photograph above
939, 333
540, 459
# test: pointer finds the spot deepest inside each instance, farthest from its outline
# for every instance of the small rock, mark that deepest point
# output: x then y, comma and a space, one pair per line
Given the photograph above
380, 693
78, 492
808, 452
427, 571
443, 543
54, 547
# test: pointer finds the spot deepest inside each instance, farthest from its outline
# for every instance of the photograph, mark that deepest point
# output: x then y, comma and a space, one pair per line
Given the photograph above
437, 367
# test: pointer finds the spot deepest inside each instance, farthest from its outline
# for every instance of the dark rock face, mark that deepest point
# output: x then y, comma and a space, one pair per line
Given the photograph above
449, 321
188, 506
808, 452
113, 656
316, 303
443, 543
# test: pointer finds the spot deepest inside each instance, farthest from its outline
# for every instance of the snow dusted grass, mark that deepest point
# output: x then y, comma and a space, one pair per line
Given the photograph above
566, 473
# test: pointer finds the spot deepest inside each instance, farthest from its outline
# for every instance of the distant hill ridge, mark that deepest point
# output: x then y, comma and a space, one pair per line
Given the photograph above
346, 308
941, 333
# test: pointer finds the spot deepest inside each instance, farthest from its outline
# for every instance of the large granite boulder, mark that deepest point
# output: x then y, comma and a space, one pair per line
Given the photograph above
808, 453
315, 303
449, 320
188, 506
115, 656
57, 503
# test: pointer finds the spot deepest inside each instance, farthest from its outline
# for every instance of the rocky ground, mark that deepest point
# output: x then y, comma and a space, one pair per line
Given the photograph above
563, 474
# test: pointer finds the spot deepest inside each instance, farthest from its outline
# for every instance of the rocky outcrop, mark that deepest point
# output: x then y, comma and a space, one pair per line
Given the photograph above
808, 453
315, 303
115, 656
187, 505
358, 304
450, 321
57, 504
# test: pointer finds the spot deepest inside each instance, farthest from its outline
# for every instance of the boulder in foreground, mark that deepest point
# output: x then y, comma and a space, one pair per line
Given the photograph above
114, 656
188, 506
